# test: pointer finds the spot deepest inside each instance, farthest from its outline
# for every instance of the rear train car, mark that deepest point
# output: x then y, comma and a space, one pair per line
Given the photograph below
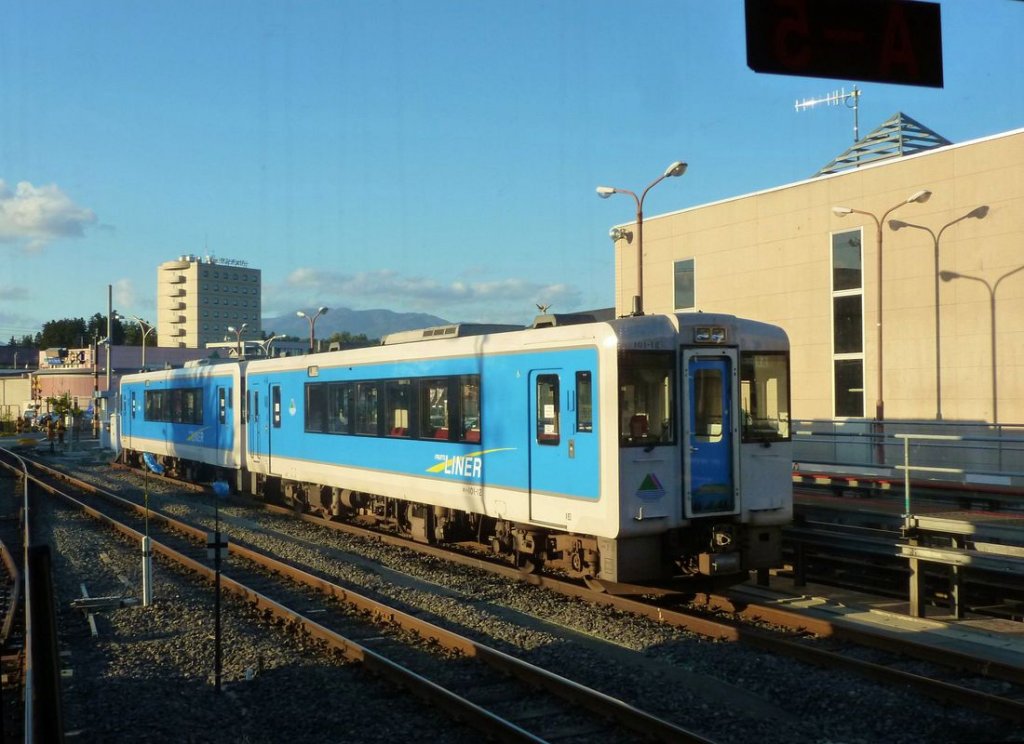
631, 450
190, 419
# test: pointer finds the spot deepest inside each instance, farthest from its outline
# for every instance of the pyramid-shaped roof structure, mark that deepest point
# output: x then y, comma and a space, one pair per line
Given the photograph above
900, 135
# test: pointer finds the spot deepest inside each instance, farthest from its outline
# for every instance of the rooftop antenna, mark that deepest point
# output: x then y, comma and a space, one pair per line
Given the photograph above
851, 99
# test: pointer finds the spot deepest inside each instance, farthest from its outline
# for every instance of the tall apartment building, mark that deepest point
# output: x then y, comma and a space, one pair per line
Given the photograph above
199, 298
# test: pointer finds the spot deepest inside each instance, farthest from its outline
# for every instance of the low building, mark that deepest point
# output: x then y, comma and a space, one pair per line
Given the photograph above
940, 230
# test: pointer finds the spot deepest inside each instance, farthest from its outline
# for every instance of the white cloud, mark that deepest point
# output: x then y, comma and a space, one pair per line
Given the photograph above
127, 298
33, 216
505, 300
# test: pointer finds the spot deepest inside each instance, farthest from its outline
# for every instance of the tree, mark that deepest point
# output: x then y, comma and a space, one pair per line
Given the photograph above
65, 332
12, 342
346, 339
98, 329
133, 335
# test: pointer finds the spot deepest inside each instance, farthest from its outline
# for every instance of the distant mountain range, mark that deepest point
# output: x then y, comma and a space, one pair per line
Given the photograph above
374, 323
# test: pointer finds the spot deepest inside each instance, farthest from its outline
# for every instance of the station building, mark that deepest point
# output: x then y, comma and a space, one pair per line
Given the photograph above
200, 299
942, 226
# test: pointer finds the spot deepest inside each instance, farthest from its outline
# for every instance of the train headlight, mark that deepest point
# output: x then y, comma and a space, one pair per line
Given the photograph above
709, 335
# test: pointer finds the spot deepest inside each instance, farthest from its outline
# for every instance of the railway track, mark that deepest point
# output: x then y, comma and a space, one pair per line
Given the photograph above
892, 663
500, 695
736, 618
12, 623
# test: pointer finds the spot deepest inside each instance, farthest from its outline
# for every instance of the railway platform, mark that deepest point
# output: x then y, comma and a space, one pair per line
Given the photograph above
991, 639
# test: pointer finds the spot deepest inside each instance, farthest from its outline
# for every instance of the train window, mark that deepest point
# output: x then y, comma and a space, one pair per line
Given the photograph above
547, 409
154, 406
433, 419
191, 406
469, 408
178, 406
646, 399
275, 397
397, 401
222, 405
584, 402
707, 405
339, 408
316, 407
366, 408
764, 397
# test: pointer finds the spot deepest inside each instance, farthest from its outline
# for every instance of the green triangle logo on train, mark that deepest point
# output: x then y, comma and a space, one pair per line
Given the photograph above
651, 488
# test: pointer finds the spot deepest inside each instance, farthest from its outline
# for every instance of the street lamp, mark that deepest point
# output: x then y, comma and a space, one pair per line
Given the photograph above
312, 323
677, 168
238, 337
977, 213
948, 276
144, 326
919, 196
266, 343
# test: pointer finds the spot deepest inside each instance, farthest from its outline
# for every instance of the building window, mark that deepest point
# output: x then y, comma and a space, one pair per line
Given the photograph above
848, 323
684, 285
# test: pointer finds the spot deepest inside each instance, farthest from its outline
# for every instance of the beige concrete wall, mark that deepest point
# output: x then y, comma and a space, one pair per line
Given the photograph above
768, 256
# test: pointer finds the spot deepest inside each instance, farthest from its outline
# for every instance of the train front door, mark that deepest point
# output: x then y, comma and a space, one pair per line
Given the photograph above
710, 433
127, 417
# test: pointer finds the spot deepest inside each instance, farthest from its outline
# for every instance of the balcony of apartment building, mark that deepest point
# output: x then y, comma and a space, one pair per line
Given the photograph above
179, 279
175, 305
176, 292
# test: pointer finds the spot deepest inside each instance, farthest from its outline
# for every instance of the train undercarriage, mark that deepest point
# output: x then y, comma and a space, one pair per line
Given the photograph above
717, 549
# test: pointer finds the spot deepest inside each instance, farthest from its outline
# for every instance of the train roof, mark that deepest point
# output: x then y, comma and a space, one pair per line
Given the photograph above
452, 330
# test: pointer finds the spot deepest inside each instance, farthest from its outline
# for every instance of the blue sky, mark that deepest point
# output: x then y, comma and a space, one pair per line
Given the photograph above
417, 156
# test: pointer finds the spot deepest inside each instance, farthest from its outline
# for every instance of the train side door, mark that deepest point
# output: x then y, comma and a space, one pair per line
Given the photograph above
710, 446
253, 432
221, 427
563, 449
273, 423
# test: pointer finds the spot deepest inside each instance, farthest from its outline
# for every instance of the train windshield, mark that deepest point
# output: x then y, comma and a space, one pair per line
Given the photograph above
764, 392
646, 401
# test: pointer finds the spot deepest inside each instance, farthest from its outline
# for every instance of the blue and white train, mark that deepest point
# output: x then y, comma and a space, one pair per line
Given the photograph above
631, 450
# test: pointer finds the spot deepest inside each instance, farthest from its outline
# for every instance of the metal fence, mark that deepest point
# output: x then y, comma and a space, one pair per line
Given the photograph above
971, 452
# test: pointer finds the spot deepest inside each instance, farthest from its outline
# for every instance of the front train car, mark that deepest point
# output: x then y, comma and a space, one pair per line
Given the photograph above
632, 450
704, 449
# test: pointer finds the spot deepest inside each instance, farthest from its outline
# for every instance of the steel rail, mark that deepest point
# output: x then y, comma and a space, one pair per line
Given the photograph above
575, 693
793, 621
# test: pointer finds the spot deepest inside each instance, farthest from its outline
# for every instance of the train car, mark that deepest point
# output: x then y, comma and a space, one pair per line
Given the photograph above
630, 450
189, 418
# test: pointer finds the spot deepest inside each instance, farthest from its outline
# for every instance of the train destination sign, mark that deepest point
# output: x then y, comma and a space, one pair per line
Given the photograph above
884, 41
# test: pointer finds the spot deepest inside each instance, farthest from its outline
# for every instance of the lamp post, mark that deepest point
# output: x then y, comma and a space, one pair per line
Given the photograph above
976, 213
144, 326
312, 323
266, 343
677, 168
948, 276
919, 196
238, 337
